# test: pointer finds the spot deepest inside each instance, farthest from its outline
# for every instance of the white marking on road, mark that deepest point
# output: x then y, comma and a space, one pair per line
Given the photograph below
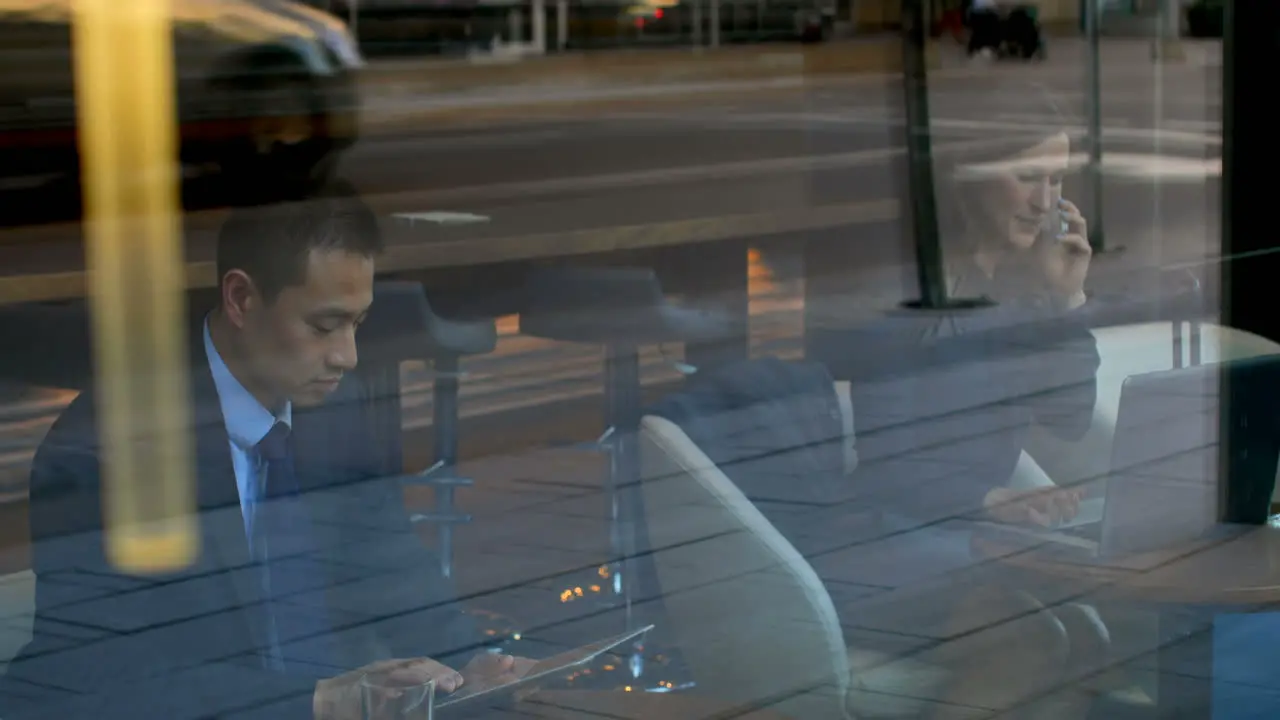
1046, 120
1204, 98
1112, 130
753, 169
464, 142
1119, 133
1210, 126
524, 96
661, 176
1164, 167
441, 218
1126, 165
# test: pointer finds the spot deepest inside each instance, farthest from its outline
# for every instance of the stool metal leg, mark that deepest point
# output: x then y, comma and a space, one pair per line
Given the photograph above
622, 415
442, 475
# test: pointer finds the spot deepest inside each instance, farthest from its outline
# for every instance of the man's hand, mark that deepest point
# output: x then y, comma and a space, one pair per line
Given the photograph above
1042, 507
339, 698
490, 669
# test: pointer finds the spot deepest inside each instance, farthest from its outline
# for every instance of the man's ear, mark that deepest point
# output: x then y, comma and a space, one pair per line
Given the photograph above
240, 297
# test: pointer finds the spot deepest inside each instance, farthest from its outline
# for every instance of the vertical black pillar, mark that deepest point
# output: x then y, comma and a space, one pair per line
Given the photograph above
1250, 238
1250, 226
622, 482
444, 403
1093, 100
924, 212
930, 268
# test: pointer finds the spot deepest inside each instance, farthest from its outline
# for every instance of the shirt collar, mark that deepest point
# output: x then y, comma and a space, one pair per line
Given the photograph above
246, 419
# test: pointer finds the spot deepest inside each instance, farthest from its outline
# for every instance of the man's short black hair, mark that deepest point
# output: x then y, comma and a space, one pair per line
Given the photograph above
271, 243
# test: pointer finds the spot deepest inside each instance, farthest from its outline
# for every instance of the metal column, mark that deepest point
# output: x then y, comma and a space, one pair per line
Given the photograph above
1249, 153
562, 25
622, 483
697, 23
1093, 99
442, 476
715, 23
930, 271
539, 24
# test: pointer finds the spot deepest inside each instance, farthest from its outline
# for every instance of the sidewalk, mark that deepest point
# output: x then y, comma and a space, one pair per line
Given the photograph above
1122, 52
879, 53
398, 93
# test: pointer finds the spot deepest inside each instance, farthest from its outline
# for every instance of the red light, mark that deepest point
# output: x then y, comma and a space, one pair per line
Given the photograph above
657, 14
640, 22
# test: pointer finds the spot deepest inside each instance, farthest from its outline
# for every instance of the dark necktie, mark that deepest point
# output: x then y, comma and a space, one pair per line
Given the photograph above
282, 535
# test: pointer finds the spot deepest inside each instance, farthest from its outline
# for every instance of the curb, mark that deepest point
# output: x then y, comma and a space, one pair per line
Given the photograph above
476, 114
610, 81
633, 67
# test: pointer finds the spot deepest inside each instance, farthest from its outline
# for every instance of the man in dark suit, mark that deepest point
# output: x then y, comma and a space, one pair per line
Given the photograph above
309, 577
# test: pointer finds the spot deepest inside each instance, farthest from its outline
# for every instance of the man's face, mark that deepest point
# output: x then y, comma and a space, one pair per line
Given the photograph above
300, 345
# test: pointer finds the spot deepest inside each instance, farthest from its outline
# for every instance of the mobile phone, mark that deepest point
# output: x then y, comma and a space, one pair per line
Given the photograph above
1055, 225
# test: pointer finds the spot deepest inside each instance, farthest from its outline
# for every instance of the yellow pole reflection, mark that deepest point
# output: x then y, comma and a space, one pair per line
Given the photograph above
125, 99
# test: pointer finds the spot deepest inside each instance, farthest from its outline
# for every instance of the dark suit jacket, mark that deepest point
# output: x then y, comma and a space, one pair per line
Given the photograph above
942, 421
182, 645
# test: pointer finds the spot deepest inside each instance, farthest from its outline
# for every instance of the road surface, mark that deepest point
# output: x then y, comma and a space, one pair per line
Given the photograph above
719, 158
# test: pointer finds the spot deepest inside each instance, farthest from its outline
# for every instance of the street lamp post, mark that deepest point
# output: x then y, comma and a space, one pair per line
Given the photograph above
538, 20
715, 23
697, 23
1093, 83
1167, 45
930, 268
562, 24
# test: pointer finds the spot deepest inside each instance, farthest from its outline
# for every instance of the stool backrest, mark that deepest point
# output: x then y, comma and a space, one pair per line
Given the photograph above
751, 617
596, 289
396, 330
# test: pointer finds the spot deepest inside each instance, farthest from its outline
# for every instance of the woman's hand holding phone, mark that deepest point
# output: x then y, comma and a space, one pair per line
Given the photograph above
1064, 260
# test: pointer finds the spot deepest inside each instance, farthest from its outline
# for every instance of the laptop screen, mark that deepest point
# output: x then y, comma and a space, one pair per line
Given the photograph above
1168, 457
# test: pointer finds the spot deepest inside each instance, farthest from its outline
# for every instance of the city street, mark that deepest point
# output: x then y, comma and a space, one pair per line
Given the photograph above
821, 161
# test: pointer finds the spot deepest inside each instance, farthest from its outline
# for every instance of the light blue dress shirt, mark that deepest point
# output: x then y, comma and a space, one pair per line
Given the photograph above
247, 422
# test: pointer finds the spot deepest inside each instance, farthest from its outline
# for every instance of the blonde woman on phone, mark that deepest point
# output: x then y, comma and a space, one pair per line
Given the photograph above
946, 401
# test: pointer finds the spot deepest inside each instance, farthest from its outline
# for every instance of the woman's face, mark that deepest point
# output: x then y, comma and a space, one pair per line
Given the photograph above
1010, 200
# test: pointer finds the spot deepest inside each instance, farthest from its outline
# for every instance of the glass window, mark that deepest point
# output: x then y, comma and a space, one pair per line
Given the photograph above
676, 359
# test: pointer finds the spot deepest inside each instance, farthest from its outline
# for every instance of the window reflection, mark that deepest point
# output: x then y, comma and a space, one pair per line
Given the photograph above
517, 330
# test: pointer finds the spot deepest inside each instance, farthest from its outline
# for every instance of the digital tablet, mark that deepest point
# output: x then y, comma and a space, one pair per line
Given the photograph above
470, 694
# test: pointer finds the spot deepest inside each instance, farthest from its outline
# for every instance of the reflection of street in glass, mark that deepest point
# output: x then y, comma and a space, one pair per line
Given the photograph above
776, 570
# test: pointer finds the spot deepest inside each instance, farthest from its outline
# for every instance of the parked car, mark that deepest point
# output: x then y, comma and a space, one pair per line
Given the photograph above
267, 91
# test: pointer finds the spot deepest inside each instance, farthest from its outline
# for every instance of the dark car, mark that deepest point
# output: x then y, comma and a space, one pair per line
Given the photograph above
267, 91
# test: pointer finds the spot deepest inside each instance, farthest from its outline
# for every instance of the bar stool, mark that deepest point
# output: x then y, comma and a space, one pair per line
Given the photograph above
621, 309
404, 327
